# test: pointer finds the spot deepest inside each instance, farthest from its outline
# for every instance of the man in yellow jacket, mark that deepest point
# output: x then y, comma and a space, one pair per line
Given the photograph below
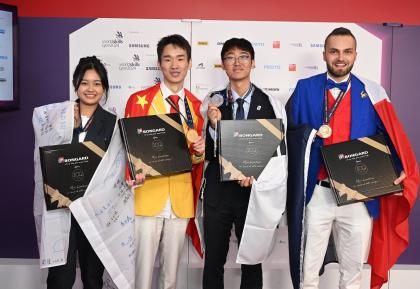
164, 205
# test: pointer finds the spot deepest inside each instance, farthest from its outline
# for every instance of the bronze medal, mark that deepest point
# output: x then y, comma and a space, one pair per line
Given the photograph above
325, 131
192, 135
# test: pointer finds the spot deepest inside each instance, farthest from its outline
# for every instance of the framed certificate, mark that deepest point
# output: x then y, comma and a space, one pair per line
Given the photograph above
246, 146
155, 145
67, 170
360, 169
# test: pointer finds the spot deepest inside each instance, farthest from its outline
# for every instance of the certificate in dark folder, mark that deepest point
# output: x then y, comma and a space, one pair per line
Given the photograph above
246, 146
67, 170
360, 169
155, 145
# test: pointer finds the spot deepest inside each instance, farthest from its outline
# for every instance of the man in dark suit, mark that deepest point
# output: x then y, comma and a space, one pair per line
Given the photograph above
227, 203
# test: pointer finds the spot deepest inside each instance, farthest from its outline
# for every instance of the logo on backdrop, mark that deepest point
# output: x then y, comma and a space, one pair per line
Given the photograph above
296, 44
317, 45
115, 42
115, 87
292, 67
271, 89
202, 43
152, 68
200, 66
157, 80
311, 67
134, 64
276, 44
139, 45
2, 31
258, 44
272, 67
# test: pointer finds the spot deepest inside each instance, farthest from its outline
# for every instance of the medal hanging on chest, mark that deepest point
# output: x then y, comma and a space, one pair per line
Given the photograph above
325, 130
191, 134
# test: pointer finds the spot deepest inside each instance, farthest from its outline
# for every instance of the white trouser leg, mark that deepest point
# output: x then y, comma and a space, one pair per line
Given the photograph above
171, 245
147, 233
352, 232
319, 217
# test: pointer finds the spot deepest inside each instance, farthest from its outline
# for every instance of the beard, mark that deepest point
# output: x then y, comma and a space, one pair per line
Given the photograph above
338, 72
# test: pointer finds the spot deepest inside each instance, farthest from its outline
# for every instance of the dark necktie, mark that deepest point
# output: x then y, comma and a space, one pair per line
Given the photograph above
341, 86
240, 113
175, 99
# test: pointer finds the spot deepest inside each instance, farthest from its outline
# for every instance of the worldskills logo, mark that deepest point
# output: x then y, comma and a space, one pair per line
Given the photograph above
276, 44
201, 66
119, 39
131, 65
136, 58
61, 160
139, 131
292, 67
341, 156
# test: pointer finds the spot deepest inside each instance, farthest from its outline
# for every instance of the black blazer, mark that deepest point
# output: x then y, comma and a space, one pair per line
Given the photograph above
260, 107
101, 129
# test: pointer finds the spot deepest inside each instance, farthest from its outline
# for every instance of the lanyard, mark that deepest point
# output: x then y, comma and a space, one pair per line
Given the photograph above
189, 118
328, 114
86, 127
230, 97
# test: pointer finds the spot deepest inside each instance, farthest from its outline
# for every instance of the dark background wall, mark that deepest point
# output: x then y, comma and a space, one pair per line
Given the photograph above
43, 77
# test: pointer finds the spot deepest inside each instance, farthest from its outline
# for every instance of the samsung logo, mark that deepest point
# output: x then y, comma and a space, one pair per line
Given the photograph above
317, 45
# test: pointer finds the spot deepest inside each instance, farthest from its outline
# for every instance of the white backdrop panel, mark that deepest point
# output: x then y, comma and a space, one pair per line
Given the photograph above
284, 53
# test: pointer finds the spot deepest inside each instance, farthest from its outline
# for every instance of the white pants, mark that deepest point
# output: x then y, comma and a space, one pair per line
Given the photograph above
351, 226
167, 235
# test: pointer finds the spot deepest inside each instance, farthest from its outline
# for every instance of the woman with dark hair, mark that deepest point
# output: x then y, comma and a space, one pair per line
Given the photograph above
91, 123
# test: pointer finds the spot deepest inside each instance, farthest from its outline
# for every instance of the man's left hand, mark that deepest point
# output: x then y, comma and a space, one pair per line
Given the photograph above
400, 178
199, 146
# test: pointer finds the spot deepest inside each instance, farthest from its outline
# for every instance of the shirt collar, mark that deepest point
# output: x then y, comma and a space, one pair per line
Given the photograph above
166, 92
235, 95
344, 80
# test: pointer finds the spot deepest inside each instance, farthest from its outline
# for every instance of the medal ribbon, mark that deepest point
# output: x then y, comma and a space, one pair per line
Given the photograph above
230, 97
189, 118
85, 128
328, 114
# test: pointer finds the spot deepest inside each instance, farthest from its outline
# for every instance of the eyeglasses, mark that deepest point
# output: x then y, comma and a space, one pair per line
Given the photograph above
232, 59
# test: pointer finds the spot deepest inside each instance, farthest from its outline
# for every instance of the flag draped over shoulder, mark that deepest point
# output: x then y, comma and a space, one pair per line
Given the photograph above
105, 212
139, 105
390, 234
390, 231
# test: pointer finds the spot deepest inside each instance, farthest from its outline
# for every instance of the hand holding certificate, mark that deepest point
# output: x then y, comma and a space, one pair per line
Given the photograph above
361, 169
155, 145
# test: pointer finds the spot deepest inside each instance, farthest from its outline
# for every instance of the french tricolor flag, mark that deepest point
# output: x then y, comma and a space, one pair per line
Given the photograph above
390, 236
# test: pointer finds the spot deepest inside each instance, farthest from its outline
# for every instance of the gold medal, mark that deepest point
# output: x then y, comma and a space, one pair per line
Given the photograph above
192, 135
325, 131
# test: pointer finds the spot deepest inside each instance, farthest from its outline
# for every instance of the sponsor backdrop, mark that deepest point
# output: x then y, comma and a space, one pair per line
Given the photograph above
284, 53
